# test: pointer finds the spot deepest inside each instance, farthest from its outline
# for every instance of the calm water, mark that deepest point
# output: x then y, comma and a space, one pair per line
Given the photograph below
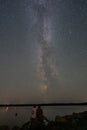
7, 115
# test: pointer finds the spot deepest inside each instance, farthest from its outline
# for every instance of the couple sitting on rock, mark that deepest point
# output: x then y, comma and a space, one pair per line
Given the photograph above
37, 114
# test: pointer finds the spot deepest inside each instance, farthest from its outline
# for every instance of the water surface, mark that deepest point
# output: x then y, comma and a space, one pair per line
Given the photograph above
8, 115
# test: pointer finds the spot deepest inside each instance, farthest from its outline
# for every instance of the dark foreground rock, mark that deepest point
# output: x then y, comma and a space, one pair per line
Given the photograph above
76, 121
4, 127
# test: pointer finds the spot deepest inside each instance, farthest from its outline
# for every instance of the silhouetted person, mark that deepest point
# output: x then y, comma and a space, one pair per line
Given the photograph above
39, 114
33, 116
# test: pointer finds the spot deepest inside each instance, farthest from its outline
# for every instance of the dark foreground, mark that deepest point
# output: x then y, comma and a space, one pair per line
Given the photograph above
76, 121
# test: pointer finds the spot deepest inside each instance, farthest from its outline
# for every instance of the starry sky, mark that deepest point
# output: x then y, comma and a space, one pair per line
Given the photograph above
43, 51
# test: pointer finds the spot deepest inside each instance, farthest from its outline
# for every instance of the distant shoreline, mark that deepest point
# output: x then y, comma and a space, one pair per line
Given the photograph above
44, 104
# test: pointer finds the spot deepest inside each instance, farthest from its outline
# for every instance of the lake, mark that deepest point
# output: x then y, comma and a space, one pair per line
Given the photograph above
8, 115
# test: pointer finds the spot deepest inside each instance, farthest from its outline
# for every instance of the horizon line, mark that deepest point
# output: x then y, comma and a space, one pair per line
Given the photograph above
44, 104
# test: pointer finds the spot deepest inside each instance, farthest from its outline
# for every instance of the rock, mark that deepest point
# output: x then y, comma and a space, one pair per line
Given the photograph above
26, 126
15, 128
4, 127
60, 119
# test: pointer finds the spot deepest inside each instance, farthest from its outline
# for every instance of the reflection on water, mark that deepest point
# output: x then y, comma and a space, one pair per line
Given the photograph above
18, 116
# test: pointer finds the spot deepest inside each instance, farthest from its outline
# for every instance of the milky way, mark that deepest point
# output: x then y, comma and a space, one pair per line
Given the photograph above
47, 61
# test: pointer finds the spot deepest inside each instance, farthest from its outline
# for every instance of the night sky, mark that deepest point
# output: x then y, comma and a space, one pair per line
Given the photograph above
43, 51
